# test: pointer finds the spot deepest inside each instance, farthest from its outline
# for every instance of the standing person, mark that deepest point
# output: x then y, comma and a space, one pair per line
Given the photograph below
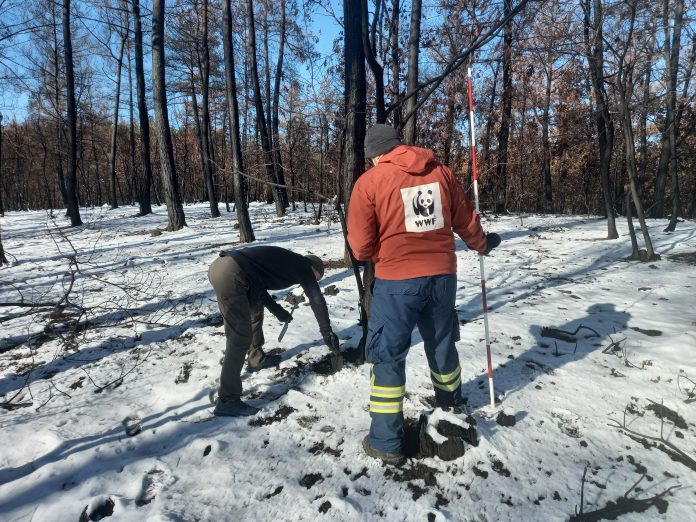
241, 280
402, 215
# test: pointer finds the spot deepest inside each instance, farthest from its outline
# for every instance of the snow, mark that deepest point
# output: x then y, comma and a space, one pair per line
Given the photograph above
66, 450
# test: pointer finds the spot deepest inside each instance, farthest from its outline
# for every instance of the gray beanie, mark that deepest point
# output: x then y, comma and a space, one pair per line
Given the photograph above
380, 139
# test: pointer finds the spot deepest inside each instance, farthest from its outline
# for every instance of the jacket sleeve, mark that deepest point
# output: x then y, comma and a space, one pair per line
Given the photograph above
362, 223
318, 304
270, 304
465, 222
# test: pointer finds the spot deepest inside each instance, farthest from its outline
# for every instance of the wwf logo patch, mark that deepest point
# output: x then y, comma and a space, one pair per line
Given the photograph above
422, 208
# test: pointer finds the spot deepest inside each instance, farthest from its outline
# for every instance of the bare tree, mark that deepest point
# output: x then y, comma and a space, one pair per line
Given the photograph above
175, 210
370, 54
409, 122
3, 258
275, 104
144, 195
113, 201
246, 233
2, 178
355, 93
71, 181
205, 108
395, 59
672, 51
624, 88
260, 113
594, 49
506, 99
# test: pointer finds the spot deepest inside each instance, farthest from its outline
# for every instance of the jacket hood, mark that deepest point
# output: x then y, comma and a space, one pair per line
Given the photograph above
413, 160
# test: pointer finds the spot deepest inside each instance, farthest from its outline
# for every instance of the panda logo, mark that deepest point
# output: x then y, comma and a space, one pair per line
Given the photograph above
424, 203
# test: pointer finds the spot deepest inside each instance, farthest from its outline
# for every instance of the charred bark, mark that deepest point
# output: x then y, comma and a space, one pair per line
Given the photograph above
170, 185
246, 233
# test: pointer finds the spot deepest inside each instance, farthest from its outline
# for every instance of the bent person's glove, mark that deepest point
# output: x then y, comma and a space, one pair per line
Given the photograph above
492, 241
335, 358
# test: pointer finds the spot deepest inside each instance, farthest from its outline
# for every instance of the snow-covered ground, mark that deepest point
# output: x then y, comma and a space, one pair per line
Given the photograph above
65, 450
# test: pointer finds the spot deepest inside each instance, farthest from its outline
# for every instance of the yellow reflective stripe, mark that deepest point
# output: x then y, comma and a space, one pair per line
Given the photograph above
386, 407
448, 387
447, 376
390, 395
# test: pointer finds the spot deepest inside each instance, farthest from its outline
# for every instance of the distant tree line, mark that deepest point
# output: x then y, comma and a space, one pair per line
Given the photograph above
578, 104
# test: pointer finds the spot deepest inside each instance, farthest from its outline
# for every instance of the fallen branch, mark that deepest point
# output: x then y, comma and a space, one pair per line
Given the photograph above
563, 335
690, 395
660, 443
615, 346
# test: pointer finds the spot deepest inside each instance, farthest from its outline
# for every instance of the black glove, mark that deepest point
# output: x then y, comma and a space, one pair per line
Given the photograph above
335, 358
492, 241
283, 315
331, 341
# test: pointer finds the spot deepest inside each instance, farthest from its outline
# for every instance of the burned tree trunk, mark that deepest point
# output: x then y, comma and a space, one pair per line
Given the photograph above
260, 119
504, 132
71, 180
175, 210
206, 148
246, 233
275, 120
375, 67
412, 75
113, 201
594, 49
146, 183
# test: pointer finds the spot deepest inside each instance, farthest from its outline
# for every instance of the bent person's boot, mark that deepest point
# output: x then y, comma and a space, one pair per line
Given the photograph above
268, 361
395, 459
234, 408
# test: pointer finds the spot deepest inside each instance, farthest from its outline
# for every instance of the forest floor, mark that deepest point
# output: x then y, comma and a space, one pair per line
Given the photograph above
105, 408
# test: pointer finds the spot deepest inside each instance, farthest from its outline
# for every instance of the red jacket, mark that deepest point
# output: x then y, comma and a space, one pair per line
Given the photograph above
402, 213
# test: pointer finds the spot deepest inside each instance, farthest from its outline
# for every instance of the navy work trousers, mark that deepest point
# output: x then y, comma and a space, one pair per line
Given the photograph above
398, 306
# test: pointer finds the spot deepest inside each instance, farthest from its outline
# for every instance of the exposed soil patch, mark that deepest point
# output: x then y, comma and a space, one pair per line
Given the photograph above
307, 421
500, 468
362, 473
480, 472
507, 421
420, 445
77, 384
310, 479
274, 492
322, 366
416, 490
295, 299
331, 264
331, 290
637, 465
418, 471
686, 257
663, 412
281, 413
320, 448
325, 507
98, 511
441, 501
649, 333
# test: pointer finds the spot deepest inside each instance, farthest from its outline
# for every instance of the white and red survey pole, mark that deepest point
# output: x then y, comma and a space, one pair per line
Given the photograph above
472, 138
